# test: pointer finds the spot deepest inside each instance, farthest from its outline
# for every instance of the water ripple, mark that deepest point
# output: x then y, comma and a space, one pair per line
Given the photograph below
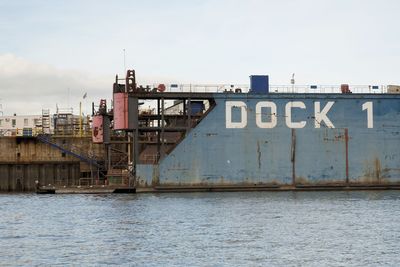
202, 229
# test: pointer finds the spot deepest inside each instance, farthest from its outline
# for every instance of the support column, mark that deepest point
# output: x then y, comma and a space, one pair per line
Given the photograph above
189, 113
162, 128
158, 132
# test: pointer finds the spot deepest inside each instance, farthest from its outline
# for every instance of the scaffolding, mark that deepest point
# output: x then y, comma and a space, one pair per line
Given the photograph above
68, 124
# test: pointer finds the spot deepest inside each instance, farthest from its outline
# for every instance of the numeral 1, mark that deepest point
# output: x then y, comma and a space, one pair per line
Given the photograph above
370, 119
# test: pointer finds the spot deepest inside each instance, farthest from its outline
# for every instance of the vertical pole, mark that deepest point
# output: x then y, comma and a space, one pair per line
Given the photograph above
109, 157
162, 127
128, 140
134, 143
80, 119
136, 153
189, 113
158, 132
184, 111
124, 61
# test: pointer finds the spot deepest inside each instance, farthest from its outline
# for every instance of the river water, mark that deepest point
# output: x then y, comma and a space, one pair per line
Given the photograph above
359, 228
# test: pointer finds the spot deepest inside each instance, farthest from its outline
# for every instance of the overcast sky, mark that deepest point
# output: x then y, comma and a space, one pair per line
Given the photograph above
52, 52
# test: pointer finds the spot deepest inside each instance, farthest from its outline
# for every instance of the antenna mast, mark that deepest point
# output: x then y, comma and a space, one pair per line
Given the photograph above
124, 62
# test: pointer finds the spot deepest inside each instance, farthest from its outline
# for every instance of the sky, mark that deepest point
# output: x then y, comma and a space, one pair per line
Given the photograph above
53, 52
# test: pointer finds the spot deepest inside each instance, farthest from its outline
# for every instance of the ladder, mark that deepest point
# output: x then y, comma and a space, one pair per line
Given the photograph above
46, 121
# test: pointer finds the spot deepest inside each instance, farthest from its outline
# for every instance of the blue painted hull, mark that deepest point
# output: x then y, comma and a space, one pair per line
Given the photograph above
293, 140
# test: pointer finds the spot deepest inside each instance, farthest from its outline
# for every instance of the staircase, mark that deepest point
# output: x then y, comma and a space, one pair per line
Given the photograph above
47, 140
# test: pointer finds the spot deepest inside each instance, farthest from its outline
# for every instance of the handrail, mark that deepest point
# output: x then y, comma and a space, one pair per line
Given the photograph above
46, 139
244, 88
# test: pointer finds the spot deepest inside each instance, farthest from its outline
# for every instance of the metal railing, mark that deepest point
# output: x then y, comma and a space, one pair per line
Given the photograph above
27, 132
244, 88
328, 89
35, 131
85, 158
199, 88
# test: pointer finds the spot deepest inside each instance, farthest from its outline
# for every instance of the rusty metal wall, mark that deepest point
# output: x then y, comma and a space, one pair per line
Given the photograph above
309, 140
24, 160
29, 149
22, 177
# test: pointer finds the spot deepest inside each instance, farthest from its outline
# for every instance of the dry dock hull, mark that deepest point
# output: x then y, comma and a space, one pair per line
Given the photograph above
283, 141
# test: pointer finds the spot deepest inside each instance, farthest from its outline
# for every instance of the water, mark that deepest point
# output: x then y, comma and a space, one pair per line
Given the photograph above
202, 229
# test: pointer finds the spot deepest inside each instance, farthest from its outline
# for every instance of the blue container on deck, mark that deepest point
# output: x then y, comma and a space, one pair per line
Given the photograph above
196, 107
259, 84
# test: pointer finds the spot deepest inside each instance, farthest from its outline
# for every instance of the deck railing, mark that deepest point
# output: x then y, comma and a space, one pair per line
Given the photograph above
244, 88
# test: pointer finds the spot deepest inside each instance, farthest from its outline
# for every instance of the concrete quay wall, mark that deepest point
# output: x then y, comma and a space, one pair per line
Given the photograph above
23, 160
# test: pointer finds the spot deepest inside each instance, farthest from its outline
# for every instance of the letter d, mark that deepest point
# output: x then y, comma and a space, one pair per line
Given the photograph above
228, 114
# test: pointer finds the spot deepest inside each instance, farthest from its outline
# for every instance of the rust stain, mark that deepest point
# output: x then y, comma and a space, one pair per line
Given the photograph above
373, 172
336, 138
301, 180
377, 169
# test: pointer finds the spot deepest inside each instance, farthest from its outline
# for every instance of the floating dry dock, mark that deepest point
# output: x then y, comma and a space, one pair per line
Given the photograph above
172, 138
256, 140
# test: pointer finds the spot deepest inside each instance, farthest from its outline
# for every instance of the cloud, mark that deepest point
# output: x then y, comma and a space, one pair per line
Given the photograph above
27, 87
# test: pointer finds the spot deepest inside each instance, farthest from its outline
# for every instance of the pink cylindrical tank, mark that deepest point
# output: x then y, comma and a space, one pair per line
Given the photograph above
120, 111
97, 129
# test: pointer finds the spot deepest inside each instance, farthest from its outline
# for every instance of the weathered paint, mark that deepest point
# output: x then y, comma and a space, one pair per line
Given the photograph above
297, 140
120, 111
97, 129
24, 160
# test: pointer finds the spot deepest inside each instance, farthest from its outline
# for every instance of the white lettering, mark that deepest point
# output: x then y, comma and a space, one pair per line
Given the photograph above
266, 114
262, 124
228, 113
288, 113
320, 116
370, 113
